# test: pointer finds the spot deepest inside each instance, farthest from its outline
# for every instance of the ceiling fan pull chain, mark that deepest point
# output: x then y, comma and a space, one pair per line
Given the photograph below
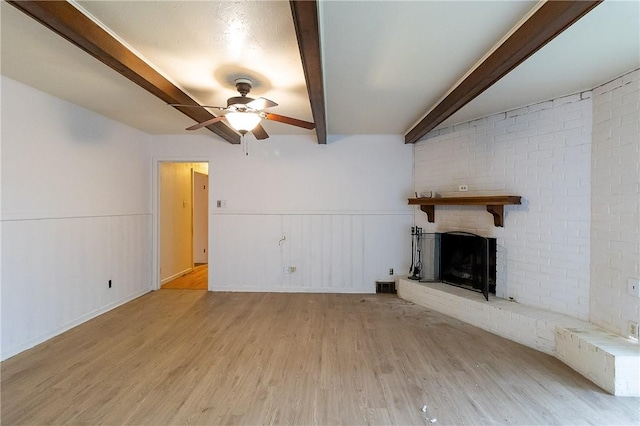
244, 143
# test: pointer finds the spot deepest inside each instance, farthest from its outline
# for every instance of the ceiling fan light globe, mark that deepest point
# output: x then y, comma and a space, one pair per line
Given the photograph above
243, 121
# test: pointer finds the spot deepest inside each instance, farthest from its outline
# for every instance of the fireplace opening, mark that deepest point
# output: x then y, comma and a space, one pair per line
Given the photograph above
468, 261
457, 258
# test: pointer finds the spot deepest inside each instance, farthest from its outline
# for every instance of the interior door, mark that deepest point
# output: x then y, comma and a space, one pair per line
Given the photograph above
200, 217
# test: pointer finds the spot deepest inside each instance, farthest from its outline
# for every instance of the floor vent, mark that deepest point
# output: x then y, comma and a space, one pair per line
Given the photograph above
386, 287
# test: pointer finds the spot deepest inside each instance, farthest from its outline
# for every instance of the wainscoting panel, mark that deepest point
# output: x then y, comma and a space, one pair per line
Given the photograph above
129, 255
333, 253
55, 273
245, 255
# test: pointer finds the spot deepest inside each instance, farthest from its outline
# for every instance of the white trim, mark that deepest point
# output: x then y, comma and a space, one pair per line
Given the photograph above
19, 217
178, 275
155, 219
329, 290
227, 212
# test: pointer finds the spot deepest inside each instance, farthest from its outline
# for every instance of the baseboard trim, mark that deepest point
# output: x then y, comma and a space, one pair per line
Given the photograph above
68, 326
329, 290
174, 276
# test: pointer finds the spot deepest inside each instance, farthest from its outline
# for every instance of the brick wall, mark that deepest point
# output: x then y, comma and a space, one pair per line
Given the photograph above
543, 153
615, 194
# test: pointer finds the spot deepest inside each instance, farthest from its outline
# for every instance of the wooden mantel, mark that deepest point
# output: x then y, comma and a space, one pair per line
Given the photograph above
494, 203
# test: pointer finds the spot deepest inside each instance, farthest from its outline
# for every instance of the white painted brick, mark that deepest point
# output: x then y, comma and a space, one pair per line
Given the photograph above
540, 106
633, 76
626, 89
522, 125
571, 114
525, 118
478, 122
496, 117
550, 128
601, 96
615, 119
566, 100
578, 122
504, 123
537, 122
461, 126
607, 87
586, 95
606, 107
567, 166
516, 112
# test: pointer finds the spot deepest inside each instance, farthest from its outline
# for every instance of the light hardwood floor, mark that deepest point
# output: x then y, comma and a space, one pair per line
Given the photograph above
196, 357
195, 280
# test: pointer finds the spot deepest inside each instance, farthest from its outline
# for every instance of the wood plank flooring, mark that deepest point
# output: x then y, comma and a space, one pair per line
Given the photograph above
194, 280
197, 357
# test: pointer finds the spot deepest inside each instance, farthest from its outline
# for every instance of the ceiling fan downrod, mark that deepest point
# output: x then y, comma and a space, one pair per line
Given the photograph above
243, 85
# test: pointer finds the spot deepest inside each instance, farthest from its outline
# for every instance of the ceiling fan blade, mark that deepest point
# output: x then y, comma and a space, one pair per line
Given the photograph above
205, 123
261, 103
197, 106
259, 132
289, 120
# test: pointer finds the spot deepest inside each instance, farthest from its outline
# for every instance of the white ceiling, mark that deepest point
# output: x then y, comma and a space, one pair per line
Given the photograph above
385, 63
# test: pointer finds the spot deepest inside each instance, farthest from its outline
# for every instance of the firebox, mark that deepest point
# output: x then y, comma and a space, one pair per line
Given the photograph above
468, 261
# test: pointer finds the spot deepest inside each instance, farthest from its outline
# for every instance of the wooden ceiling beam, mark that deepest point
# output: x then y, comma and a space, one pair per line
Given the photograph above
67, 21
551, 19
305, 20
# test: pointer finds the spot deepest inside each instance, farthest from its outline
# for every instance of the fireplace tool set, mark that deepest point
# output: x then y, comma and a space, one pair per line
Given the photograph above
416, 254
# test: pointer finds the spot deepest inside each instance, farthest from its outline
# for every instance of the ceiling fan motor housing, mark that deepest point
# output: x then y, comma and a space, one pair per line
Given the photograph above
243, 85
238, 100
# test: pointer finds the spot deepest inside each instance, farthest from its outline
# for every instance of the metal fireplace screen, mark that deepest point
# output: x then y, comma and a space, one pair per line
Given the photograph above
458, 258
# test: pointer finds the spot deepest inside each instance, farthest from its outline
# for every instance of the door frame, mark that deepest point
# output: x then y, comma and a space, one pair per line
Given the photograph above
155, 213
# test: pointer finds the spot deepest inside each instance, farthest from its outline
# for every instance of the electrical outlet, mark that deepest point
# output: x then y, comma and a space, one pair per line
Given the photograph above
633, 287
289, 269
390, 271
463, 188
633, 330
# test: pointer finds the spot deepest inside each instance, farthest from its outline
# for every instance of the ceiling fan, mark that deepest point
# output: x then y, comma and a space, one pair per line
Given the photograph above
244, 113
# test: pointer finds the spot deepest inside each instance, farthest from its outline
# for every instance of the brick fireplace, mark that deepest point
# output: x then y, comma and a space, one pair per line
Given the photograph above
573, 243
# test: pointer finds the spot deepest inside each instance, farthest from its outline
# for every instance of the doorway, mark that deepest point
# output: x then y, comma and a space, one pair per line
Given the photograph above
183, 212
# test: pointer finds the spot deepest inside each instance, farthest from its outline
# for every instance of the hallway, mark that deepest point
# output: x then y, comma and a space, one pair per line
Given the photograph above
194, 280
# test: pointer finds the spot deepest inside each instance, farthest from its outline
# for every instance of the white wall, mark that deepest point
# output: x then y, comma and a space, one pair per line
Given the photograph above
542, 153
342, 207
615, 196
76, 198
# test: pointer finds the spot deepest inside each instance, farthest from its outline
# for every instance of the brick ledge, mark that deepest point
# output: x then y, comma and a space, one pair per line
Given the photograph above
606, 359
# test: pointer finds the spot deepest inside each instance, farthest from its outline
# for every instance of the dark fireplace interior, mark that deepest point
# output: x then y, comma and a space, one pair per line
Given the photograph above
468, 261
